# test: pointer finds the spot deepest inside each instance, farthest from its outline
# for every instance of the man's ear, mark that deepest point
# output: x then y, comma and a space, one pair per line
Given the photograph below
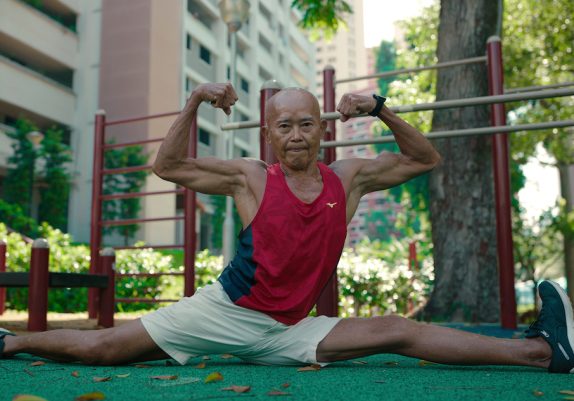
323, 128
265, 131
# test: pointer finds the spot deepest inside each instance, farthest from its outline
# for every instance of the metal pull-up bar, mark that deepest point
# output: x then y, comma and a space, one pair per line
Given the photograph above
443, 104
456, 133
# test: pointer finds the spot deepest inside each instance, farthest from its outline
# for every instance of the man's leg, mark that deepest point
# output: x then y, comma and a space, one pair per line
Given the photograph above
355, 337
127, 343
549, 343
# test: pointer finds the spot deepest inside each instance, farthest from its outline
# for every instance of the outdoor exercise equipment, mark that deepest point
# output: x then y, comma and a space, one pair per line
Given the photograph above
39, 279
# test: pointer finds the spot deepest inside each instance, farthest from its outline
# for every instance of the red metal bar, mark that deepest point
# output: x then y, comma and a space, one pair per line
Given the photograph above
413, 263
126, 144
502, 187
328, 302
329, 106
96, 216
150, 246
268, 89
124, 170
122, 275
189, 233
143, 300
138, 194
142, 118
107, 295
2, 269
135, 221
38, 288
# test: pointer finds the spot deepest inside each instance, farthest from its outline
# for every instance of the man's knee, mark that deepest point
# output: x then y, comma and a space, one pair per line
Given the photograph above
396, 329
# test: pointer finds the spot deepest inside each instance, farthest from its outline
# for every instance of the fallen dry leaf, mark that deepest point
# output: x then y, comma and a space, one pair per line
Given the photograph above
568, 398
425, 363
181, 382
391, 363
123, 376
75, 373
214, 377
277, 392
285, 385
101, 379
38, 363
237, 389
96, 395
537, 393
28, 397
360, 362
164, 377
200, 365
227, 356
309, 368
142, 366
567, 392
206, 358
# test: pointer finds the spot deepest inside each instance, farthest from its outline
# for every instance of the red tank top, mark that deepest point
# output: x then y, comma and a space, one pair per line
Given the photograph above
290, 250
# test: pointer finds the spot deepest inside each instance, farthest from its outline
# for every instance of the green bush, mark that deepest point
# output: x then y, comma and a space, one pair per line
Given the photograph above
375, 279
68, 258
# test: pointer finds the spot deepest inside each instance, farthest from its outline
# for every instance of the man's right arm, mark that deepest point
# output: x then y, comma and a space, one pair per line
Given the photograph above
207, 175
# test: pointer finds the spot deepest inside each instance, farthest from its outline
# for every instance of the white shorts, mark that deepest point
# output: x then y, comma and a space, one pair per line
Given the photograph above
210, 323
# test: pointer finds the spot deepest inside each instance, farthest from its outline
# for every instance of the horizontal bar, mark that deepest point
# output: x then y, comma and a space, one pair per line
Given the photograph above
55, 280
457, 133
539, 87
123, 170
138, 194
136, 221
122, 275
392, 73
141, 118
150, 246
126, 144
443, 104
143, 300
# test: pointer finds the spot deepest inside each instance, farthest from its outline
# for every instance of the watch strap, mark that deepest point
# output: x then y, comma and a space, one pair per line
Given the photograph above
380, 102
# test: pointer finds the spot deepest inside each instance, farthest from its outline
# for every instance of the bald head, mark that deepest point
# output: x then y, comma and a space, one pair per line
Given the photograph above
289, 98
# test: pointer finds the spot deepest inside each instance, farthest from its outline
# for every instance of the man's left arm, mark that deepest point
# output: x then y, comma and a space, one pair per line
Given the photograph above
417, 155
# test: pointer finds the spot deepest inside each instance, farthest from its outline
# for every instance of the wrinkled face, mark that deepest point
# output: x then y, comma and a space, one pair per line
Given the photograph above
294, 127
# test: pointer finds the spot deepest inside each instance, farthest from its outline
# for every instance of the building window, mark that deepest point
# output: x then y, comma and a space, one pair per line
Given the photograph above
244, 153
244, 85
204, 136
243, 117
188, 41
205, 54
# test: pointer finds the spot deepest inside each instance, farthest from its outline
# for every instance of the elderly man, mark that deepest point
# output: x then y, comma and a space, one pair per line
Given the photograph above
294, 216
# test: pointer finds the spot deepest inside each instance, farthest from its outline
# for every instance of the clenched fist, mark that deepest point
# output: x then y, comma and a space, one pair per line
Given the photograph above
221, 96
352, 105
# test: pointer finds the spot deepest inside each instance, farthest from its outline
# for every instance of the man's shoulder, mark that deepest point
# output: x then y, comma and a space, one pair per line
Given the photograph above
253, 163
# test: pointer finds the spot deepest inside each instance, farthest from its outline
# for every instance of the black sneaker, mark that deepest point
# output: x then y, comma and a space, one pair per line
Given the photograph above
4, 333
555, 324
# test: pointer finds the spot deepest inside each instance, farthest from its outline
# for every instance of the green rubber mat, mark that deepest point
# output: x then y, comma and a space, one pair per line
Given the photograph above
380, 377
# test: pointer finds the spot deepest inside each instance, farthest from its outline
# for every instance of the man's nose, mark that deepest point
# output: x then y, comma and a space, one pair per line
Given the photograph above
296, 134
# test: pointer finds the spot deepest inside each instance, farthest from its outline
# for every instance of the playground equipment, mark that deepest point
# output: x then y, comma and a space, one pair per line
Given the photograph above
101, 277
39, 279
328, 301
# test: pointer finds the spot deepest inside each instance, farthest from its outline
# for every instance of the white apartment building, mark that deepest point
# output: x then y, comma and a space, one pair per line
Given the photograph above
62, 62
49, 72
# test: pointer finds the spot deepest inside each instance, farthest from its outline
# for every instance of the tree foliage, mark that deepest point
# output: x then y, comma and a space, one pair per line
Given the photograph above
19, 178
54, 194
121, 209
322, 17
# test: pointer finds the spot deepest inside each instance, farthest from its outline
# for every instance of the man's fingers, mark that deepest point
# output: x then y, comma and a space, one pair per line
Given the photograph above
227, 110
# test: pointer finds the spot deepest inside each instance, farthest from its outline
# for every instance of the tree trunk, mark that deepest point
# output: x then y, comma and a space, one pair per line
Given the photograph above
567, 191
461, 188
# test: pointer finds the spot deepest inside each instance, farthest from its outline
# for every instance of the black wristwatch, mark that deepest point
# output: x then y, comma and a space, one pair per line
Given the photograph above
380, 102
